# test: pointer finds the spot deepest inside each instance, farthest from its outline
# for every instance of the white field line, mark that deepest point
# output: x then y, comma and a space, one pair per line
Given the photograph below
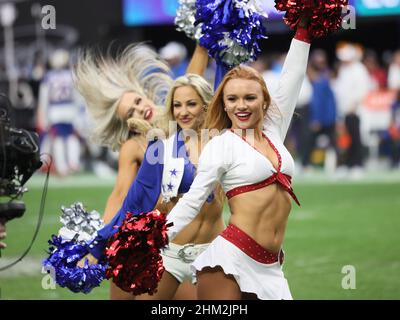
27, 267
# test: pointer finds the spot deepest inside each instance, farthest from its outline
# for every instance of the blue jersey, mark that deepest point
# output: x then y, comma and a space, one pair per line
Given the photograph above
145, 190
61, 87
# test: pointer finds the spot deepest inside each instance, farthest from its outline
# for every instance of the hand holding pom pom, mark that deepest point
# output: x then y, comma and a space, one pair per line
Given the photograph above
63, 258
325, 15
89, 258
67, 249
304, 20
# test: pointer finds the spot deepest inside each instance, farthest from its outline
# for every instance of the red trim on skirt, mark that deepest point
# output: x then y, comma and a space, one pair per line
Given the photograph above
250, 247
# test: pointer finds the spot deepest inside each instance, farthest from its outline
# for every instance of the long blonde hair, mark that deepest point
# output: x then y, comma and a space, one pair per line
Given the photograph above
216, 117
205, 91
198, 83
102, 81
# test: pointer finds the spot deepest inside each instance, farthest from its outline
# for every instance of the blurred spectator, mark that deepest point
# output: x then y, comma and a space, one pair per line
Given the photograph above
25, 106
95, 158
175, 54
322, 114
58, 110
351, 87
37, 72
260, 64
391, 138
272, 74
298, 135
319, 61
377, 73
394, 72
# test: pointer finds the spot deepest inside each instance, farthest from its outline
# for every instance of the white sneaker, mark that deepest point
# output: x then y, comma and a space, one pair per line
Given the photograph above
341, 172
356, 173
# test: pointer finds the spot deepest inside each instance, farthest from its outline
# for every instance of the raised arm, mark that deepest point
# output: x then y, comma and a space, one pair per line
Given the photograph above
142, 196
210, 169
199, 61
290, 83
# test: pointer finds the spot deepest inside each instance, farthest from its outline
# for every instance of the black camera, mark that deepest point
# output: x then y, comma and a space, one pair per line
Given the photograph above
19, 159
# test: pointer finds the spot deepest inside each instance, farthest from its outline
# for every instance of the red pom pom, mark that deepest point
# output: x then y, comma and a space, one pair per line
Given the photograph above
325, 15
135, 263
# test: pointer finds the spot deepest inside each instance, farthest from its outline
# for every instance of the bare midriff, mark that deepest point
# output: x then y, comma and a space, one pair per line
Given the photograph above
263, 215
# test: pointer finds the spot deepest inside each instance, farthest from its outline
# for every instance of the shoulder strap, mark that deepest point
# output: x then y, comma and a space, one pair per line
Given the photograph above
173, 171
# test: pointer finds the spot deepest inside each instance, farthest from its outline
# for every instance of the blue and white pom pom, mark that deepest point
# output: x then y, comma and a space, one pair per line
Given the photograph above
71, 245
231, 29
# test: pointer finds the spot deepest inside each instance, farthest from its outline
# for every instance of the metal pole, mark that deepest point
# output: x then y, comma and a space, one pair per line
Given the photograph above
41, 44
12, 73
8, 14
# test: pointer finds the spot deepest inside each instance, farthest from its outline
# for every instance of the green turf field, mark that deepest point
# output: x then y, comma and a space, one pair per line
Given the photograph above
338, 225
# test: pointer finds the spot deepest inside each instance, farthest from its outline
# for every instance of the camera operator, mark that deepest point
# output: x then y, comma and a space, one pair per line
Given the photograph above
2, 234
19, 159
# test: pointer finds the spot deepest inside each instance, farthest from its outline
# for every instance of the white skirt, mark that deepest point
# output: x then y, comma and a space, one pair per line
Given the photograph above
267, 281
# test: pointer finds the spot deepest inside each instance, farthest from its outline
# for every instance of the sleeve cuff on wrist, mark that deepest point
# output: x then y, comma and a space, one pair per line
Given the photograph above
302, 34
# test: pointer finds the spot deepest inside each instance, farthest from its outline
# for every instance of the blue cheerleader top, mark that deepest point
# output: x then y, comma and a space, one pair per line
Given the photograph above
145, 190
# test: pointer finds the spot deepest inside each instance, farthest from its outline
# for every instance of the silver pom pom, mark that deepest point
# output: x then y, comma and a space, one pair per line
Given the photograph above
78, 222
250, 7
185, 18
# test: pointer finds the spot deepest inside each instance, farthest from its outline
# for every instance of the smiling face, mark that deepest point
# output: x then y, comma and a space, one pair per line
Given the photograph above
133, 105
244, 102
188, 108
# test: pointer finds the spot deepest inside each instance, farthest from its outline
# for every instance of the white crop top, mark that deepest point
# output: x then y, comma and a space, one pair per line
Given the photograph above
235, 163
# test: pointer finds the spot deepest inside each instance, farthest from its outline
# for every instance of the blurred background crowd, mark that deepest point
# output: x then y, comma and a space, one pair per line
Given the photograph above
348, 115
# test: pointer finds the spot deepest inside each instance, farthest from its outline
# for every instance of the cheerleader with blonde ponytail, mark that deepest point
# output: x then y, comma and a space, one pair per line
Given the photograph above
125, 95
131, 86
